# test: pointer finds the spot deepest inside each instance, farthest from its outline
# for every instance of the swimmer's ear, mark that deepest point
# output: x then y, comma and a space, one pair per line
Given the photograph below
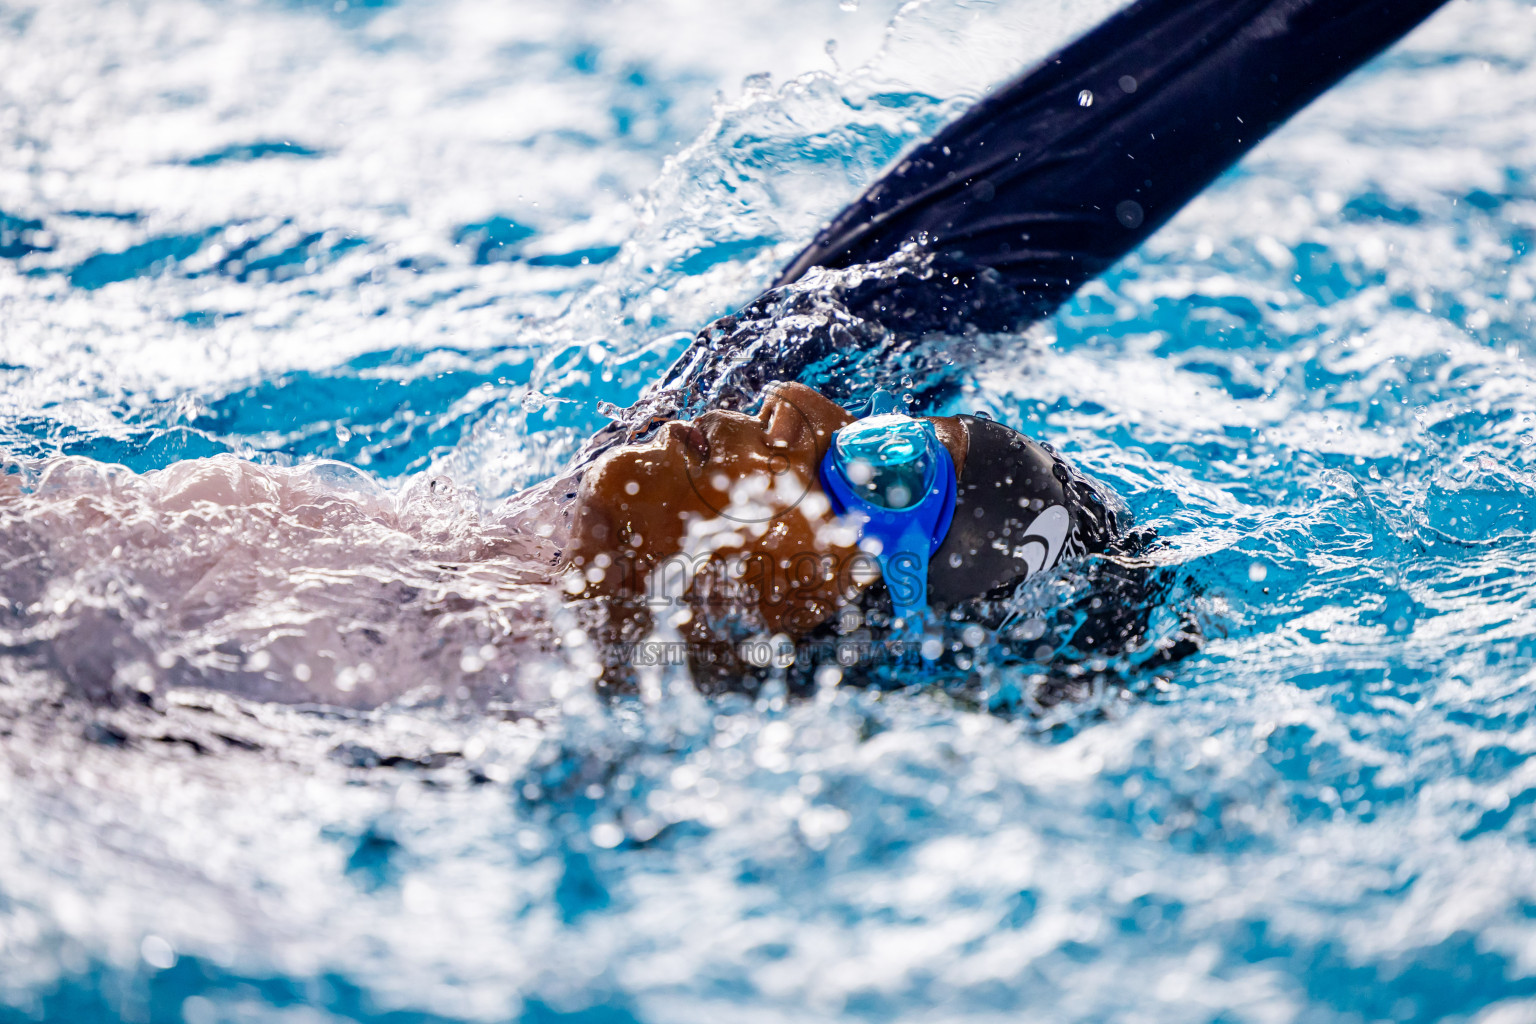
1049, 180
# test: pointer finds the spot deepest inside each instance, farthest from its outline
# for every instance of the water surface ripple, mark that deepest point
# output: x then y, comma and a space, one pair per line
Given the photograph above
425, 241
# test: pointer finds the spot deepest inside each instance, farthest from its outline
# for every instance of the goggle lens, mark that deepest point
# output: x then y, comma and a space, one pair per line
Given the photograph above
888, 459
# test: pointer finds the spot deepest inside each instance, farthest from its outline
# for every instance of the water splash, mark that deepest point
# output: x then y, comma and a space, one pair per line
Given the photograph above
1321, 368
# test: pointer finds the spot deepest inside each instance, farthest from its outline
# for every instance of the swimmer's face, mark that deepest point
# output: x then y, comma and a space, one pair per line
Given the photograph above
730, 497
726, 486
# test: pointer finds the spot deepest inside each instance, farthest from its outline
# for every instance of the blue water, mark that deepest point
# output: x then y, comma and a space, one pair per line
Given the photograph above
426, 241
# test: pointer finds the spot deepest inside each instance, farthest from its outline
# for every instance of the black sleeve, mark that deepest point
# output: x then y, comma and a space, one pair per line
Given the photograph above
1049, 180
1042, 185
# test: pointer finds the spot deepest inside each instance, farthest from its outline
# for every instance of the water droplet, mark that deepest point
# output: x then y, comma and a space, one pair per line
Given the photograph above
157, 952
1257, 572
1127, 83
606, 835
1085, 98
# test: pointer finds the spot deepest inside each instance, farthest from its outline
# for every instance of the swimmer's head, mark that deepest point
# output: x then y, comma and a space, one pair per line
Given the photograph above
745, 495
1019, 510
726, 494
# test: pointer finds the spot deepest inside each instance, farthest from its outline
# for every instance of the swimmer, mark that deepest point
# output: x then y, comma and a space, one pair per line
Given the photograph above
990, 225
733, 505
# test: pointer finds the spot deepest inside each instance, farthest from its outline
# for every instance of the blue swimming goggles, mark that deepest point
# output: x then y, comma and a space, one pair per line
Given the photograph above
892, 475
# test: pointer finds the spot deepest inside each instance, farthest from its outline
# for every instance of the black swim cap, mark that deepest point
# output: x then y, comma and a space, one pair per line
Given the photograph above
1019, 509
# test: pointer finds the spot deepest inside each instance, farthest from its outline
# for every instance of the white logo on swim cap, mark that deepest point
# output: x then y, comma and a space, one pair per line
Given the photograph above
1041, 545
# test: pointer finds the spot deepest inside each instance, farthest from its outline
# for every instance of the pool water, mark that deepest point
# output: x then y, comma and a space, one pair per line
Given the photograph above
404, 253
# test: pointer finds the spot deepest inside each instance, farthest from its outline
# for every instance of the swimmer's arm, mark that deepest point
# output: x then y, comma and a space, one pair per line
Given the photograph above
1049, 180
1044, 184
